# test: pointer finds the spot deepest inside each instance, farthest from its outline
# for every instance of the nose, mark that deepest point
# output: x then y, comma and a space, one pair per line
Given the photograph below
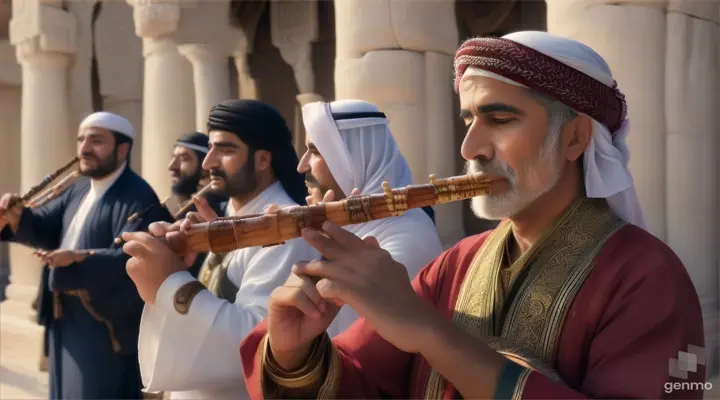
477, 144
172, 166
84, 147
210, 161
304, 164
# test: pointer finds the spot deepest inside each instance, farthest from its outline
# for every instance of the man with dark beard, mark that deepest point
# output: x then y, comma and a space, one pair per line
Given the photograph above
188, 177
190, 329
187, 174
87, 301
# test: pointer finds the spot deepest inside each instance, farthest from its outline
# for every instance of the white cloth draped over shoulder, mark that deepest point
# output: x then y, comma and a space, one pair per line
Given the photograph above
355, 141
196, 356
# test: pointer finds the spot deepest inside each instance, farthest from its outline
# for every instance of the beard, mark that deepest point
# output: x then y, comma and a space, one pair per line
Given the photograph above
104, 167
538, 176
187, 185
238, 184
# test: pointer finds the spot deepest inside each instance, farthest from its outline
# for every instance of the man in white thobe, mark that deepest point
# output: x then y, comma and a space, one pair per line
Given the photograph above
189, 335
350, 151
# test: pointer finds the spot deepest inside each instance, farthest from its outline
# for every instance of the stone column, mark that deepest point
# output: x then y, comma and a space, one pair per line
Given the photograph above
10, 100
692, 101
211, 77
168, 96
412, 83
639, 68
293, 29
168, 109
44, 40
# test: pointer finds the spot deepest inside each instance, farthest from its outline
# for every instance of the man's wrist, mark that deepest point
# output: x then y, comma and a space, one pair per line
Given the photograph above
165, 295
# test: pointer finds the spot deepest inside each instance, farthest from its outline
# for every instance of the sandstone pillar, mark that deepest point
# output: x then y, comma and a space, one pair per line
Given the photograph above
639, 68
211, 77
10, 98
43, 37
168, 109
293, 29
692, 101
168, 96
396, 55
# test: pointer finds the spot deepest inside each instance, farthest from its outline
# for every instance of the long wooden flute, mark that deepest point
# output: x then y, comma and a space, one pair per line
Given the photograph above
47, 180
232, 233
178, 214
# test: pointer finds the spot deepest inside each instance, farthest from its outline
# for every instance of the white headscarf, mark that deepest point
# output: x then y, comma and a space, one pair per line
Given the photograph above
355, 141
606, 157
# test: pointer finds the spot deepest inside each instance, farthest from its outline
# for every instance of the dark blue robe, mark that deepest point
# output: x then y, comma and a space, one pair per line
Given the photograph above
92, 343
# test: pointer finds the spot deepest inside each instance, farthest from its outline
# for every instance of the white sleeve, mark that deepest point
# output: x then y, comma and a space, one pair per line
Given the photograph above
201, 350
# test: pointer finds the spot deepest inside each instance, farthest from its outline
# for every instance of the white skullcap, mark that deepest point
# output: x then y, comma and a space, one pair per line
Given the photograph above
354, 138
606, 157
109, 121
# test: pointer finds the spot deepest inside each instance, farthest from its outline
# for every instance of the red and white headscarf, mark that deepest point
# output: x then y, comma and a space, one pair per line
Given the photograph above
577, 76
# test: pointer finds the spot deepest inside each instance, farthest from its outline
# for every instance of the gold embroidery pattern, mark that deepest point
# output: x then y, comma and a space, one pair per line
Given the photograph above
559, 262
84, 297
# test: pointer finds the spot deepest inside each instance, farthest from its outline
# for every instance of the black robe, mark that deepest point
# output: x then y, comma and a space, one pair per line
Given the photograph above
92, 341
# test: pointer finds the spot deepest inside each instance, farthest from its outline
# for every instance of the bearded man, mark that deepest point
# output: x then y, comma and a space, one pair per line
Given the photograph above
188, 177
87, 302
191, 329
569, 297
350, 145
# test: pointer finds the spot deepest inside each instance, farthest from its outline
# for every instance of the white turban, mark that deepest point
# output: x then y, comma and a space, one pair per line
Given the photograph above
606, 157
109, 121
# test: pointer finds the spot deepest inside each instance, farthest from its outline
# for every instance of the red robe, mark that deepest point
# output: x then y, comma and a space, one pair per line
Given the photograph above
635, 311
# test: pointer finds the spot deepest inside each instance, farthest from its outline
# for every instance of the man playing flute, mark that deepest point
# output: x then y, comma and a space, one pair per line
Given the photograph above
87, 302
188, 177
350, 145
191, 328
569, 297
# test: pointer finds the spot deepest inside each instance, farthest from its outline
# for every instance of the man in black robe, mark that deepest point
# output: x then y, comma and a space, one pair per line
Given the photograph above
88, 303
188, 177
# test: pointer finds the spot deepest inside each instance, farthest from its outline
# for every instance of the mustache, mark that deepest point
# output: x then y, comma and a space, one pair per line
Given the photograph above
89, 156
310, 179
490, 167
217, 173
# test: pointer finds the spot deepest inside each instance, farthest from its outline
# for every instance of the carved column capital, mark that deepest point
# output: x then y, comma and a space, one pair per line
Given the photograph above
36, 27
155, 18
199, 52
293, 28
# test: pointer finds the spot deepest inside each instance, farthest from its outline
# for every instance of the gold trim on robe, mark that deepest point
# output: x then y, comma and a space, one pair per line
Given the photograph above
552, 272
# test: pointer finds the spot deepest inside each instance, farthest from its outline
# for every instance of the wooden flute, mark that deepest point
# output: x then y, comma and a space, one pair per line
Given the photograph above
47, 180
178, 214
269, 229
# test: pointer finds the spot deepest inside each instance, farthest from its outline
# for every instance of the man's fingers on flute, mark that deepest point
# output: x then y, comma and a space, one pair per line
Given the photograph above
307, 285
203, 209
321, 269
291, 296
344, 238
329, 248
159, 228
329, 196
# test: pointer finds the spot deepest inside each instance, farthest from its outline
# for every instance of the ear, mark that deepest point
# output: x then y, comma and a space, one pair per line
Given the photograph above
577, 134
263, 160
123, 150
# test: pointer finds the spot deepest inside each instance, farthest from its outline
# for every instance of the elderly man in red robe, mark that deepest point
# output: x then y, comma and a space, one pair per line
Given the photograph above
569, 297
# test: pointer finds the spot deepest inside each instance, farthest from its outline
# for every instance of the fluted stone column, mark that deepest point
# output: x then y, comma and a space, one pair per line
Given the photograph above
168, 95
398, 55
692, 102
639, 68
211, 78
168, 109
44, 40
